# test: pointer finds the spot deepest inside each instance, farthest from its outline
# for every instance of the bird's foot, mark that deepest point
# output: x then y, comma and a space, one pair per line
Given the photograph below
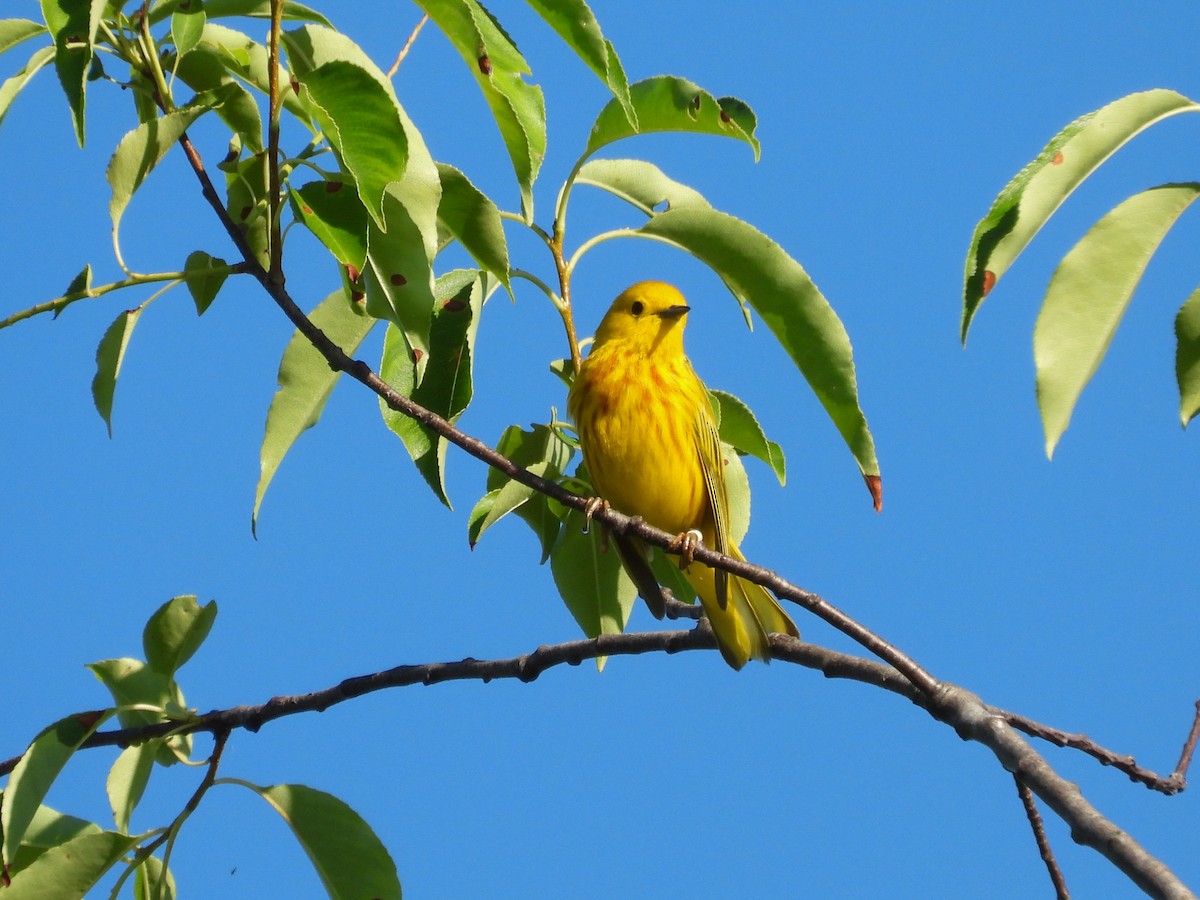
590, 509
685, 545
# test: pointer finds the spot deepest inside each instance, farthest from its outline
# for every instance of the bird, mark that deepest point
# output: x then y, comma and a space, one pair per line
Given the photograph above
649, 439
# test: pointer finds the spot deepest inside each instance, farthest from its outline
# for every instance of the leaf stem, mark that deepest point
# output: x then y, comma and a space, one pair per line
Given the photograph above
274, 106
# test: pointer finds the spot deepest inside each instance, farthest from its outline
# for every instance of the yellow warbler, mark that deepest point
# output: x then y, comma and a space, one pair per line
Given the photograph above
650, 442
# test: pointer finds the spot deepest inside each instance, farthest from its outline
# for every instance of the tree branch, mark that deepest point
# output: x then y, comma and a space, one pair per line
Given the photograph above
963, 711
1039, 835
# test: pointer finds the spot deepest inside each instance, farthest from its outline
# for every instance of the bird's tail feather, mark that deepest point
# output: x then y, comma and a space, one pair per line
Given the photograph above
749, 615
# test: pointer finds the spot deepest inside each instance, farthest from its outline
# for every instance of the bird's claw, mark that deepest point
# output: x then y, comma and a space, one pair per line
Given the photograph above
590, 509
685, 544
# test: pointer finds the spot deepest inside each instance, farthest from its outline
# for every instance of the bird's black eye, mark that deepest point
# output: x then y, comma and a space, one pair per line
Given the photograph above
637, 307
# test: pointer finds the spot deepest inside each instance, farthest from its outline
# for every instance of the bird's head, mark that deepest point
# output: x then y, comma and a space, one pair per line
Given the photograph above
648, 317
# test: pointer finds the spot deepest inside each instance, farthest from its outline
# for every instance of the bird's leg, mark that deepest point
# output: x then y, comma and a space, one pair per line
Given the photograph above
685, 545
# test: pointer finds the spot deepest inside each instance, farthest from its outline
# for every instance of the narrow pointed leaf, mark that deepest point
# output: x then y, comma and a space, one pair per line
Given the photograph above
349, 858
1089, 294
760, 273
446, 386
36, 771
71, 869
13, 86
641, 183
205, 276
14, 31
246, 191
668, 103
541, 450
471, 218
356, 107
577, 25
399, 274
127, 780
305, 383
70, 23
109, 357
498, 67
1187, 357
740, 429
187, 25
175, 632
49, 828
333, 212
591, 580
1028, 201
144, 147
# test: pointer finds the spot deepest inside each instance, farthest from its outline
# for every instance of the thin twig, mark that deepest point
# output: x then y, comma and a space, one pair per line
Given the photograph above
1189, 747
407, 46
1039, 835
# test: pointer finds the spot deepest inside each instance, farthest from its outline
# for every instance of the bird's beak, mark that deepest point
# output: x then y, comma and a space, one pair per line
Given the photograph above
675, 312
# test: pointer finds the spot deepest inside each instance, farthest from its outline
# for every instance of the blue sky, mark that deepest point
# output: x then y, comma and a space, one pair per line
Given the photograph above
1064, 591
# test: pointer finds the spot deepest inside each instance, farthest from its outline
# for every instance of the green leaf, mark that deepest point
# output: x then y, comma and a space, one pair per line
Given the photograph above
246, 59
399, 275
133, 682
641, 183
217, 9
73, 23
1028, 201
542, 451
737, 485
667, 103
590, 580
109, 356
305, 383
70, 869
14, 85
49, 828
14, 31
144, 147
79, 284
1088, 296
246, 201
356, 108
36, 771
445, 388
577, 25
349, 858
154, 881
127, 781
498, 68
332, 211
175, 632
761, 273
187, 25
740, 429
472, 219
204, 276
207, 68
1187, 357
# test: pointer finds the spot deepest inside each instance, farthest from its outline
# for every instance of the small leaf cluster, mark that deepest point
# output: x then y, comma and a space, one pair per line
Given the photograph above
47, 853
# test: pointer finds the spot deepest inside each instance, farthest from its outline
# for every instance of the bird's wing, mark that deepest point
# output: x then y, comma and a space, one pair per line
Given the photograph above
712, 465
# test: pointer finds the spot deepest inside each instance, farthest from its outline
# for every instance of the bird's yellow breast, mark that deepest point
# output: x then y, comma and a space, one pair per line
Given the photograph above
638, 417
